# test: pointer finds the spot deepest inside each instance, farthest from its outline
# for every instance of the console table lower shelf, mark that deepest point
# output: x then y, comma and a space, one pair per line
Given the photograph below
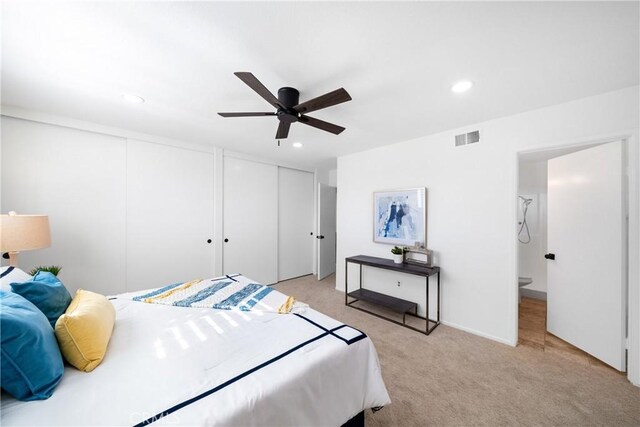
394, 304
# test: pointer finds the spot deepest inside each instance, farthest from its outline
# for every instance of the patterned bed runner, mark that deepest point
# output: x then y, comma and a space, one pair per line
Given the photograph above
222, 293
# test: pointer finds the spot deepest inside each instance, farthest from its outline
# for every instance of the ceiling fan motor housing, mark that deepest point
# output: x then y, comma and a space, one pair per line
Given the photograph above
288, 107
289, 98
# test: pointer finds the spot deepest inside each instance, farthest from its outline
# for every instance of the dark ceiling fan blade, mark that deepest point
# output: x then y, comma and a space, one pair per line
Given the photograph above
338, 96
251, 81
245, 114
321, 124
283, 130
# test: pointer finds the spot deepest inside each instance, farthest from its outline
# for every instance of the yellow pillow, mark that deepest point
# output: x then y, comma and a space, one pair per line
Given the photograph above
84, 330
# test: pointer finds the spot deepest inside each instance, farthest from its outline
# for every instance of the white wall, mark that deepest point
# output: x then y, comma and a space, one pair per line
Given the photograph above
472, 204
532, 183
327, 176
333, 178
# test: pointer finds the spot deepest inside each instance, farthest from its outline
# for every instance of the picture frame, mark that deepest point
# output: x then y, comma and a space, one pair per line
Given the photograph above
400, 217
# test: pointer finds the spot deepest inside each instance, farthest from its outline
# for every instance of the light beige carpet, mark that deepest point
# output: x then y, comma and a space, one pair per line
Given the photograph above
458, 379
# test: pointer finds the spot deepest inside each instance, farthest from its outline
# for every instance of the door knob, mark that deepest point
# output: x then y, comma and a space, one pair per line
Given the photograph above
226, 240
208, 240
320, 237
550, 256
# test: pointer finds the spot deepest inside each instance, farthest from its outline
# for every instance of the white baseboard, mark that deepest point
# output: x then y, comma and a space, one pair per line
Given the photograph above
533, 293
470, 330
480, 334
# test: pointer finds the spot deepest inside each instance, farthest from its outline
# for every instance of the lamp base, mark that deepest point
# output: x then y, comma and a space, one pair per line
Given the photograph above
13, 259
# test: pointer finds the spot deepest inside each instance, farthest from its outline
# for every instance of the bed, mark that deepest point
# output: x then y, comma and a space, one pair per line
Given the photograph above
169, 365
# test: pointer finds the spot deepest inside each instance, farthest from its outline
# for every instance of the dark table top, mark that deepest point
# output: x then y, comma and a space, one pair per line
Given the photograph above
388, 264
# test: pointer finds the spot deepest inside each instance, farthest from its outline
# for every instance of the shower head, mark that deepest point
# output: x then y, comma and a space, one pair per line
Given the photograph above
525, 200
523, 224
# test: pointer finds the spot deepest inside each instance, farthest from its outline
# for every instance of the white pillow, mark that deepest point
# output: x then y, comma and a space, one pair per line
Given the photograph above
9, 275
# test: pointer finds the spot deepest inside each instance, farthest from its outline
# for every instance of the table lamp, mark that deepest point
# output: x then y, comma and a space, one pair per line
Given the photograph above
23, 233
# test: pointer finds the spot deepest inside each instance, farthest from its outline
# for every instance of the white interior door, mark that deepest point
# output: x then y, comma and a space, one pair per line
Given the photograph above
295, 223
585, 299
169, 215
251, 220
326, 235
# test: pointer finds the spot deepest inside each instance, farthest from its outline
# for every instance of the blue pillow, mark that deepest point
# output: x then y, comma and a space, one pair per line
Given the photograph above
31, 365
46, 292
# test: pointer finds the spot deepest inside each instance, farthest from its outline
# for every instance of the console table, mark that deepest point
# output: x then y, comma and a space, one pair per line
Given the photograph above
398, 305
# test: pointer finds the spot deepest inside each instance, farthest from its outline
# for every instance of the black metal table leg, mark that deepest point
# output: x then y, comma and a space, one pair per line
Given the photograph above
438, 297
427, 304
346, 282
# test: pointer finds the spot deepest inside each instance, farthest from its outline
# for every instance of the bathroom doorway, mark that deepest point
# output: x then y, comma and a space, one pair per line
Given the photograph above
563, 306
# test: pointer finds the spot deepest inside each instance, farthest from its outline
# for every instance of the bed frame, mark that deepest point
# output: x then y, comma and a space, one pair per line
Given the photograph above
356, 421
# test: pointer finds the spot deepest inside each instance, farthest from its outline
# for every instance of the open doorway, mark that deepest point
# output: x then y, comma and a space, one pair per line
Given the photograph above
572, 256
326, 235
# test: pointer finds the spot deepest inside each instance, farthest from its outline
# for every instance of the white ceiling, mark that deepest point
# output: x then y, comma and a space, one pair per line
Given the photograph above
396, 59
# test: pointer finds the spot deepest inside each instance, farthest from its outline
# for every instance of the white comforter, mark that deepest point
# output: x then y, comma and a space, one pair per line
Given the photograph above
161, 357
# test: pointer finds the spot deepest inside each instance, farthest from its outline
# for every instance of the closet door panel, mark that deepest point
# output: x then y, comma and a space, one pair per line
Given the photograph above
251, 219
295, 223
77, 178
169, 215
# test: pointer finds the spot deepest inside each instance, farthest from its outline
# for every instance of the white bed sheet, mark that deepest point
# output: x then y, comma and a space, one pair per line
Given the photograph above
162, 356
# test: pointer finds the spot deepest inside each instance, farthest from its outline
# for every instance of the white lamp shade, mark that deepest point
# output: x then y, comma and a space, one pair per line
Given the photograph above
24, 232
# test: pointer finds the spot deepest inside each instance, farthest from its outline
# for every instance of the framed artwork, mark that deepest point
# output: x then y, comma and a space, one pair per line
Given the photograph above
400, 217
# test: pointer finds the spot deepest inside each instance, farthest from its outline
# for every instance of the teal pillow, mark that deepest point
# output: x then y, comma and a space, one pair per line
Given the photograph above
46, 292
31, 365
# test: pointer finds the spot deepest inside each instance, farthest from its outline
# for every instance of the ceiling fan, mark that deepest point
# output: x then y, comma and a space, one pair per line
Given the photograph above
288, 109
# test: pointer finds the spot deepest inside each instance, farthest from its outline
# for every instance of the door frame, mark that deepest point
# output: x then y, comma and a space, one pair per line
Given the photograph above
632, 273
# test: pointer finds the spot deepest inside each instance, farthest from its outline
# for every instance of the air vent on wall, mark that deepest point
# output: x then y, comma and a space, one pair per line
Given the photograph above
468, 138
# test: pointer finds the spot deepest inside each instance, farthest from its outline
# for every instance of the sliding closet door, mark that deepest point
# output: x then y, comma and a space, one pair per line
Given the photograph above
169, 215
295, 223
251, 219
77, 178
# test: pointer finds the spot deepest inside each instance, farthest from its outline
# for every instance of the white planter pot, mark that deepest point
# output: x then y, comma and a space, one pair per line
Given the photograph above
398, 258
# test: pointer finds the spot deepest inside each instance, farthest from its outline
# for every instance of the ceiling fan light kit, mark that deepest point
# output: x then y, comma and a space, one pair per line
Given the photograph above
288, 107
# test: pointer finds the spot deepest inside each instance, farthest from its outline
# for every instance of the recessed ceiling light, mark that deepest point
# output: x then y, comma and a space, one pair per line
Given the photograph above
461, 86
132, 99
297, 144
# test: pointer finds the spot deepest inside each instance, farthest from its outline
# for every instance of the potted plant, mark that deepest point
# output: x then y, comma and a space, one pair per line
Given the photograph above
53, 269
398, 254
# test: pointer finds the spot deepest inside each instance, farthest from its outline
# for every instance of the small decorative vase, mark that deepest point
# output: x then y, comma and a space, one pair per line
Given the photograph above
398, 258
